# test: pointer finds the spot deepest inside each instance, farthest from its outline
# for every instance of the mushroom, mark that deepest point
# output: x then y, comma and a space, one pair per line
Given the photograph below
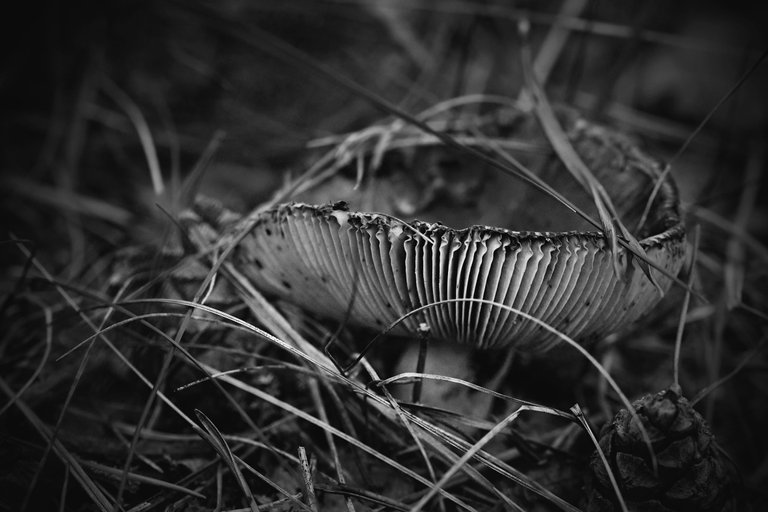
377, 271
482, 286
468, 285
479, 286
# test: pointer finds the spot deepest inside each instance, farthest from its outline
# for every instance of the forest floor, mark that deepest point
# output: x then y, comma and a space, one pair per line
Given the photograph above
116, 115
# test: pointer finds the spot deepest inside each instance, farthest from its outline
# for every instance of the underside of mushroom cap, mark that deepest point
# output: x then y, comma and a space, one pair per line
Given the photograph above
468, 285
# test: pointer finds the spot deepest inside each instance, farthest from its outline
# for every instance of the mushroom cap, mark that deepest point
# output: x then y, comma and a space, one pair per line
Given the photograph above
374, 270
469, 285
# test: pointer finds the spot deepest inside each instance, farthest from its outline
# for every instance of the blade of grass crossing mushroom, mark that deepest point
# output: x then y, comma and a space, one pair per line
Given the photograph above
558, 139
573, 163
568, 155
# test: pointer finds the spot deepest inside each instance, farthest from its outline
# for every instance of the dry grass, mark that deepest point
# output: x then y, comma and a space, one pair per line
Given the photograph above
134, 377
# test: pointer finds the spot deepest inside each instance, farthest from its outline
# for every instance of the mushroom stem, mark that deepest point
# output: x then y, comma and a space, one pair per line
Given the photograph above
420, 363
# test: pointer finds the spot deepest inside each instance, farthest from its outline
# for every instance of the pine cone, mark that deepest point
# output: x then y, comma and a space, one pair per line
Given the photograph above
691, 473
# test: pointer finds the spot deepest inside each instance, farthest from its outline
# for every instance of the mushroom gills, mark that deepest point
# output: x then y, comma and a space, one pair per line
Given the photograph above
332, 262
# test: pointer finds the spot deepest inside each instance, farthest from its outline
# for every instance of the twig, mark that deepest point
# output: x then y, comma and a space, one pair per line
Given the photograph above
307, 473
